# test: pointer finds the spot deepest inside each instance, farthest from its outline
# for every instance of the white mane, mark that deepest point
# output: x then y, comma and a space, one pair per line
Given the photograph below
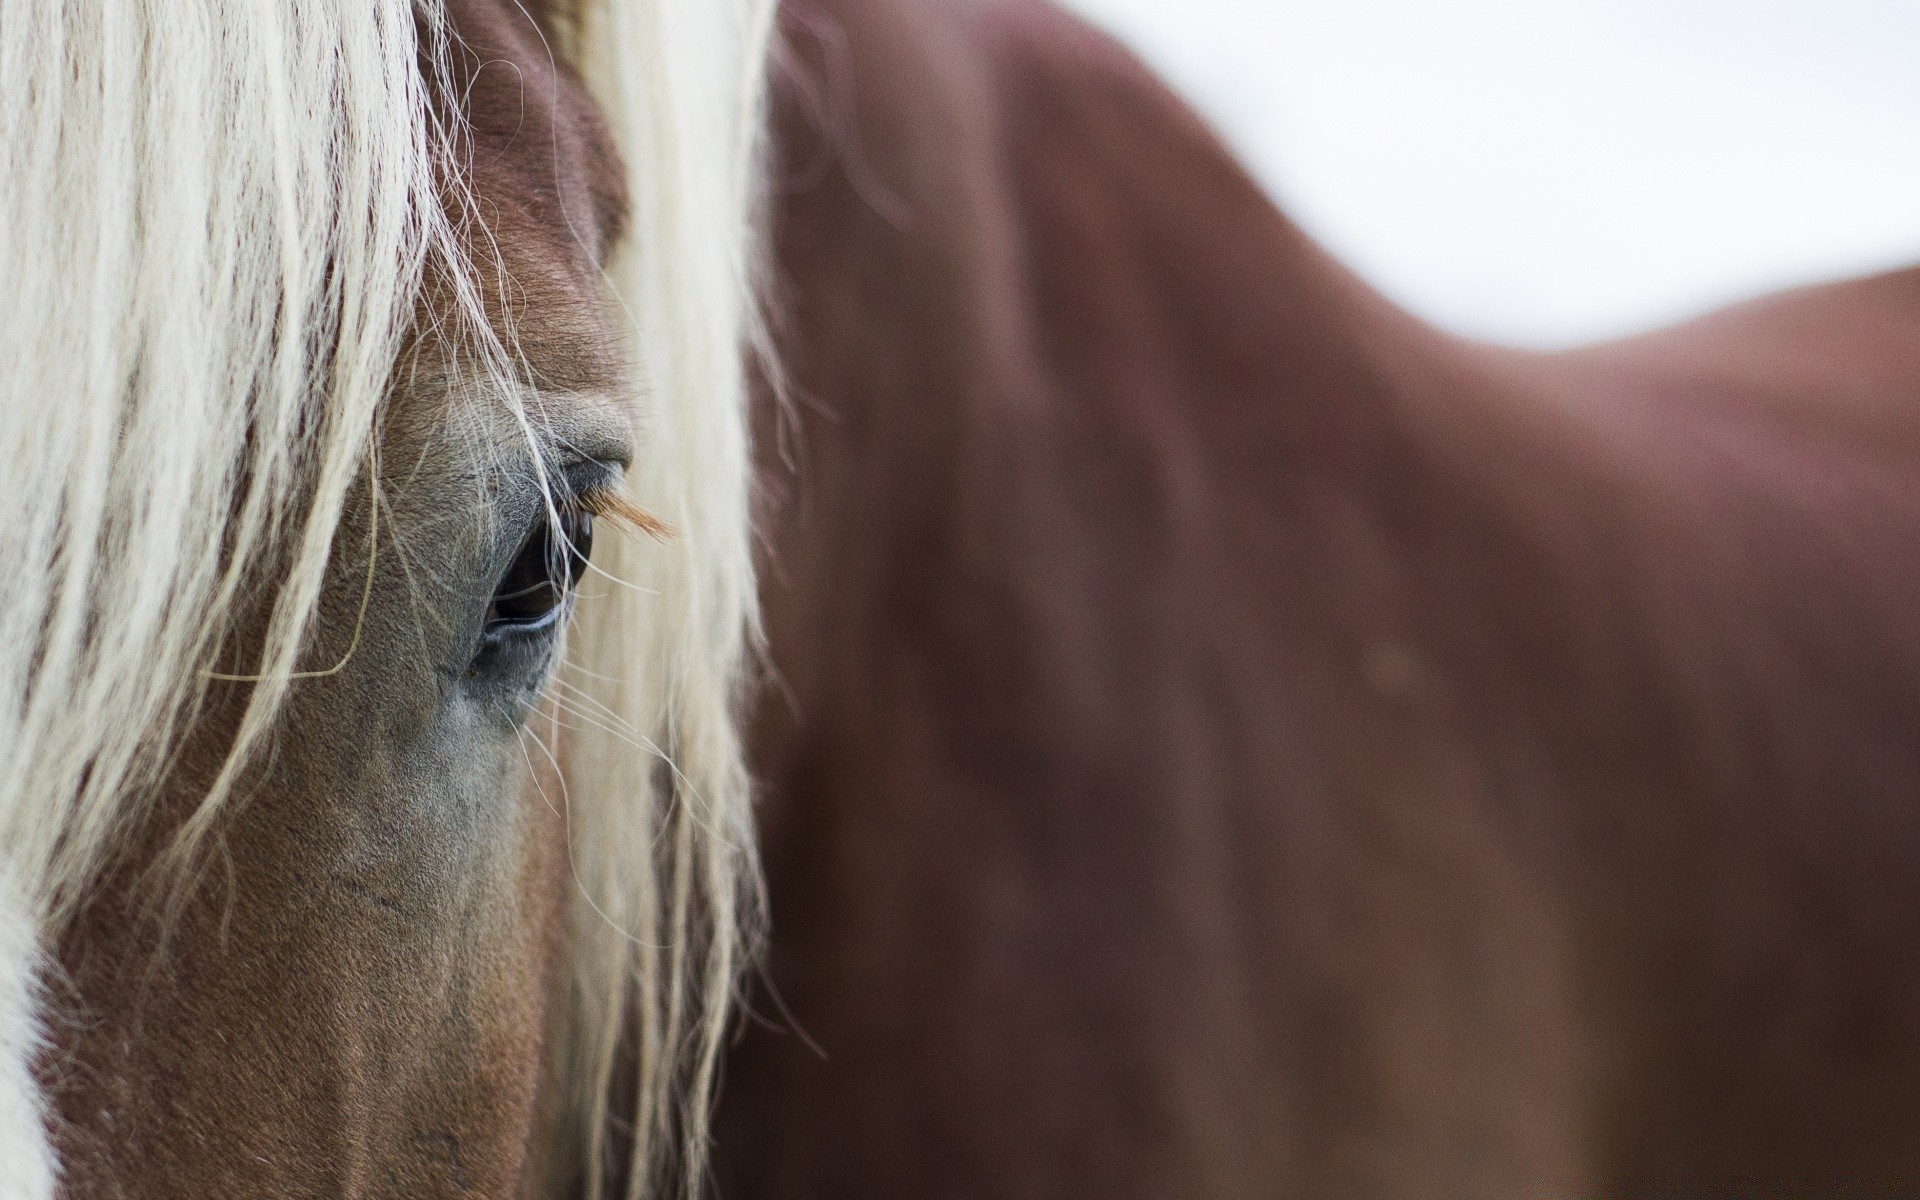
665, 659
215, 216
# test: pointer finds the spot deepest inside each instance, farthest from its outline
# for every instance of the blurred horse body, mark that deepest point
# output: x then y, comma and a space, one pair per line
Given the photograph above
1233, 740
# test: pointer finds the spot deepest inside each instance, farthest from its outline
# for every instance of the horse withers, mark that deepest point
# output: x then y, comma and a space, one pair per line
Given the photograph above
1235, 741
332, 327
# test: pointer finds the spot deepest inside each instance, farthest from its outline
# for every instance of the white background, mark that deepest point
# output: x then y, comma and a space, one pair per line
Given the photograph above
1542, 172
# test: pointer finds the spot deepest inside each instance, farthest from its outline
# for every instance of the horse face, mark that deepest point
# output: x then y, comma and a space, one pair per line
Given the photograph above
356, 997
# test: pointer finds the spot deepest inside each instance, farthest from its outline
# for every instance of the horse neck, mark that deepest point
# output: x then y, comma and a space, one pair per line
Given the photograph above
1016, 274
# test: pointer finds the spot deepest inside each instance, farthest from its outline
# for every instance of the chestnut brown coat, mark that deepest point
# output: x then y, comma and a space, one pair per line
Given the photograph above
1231, 740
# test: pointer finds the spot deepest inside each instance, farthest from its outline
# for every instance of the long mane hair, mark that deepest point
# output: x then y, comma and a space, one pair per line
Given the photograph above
217, 218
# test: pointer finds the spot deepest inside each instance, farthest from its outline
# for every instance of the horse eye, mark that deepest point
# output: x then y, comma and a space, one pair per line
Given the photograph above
544, 571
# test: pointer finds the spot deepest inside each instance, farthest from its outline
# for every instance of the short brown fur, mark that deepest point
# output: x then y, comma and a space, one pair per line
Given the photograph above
1236, 741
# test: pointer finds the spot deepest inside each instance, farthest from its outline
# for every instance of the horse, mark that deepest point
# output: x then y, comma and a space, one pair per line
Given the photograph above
1227, 738
369, 825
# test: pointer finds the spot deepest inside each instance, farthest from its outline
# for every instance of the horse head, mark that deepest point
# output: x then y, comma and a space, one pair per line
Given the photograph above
372, 813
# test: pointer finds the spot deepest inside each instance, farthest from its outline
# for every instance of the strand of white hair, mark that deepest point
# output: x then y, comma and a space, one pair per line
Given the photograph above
679, 82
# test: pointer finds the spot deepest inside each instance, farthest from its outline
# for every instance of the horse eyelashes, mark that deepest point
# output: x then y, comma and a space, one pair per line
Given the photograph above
544, 571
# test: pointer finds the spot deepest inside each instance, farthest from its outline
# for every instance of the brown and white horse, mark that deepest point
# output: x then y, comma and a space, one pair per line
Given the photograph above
1229, 739
330, 326
1235, 741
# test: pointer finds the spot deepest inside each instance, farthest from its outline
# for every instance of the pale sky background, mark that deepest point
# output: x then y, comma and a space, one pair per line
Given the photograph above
1542, 172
